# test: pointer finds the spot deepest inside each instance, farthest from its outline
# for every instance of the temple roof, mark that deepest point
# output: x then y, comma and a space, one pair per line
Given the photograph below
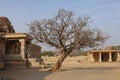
16, 36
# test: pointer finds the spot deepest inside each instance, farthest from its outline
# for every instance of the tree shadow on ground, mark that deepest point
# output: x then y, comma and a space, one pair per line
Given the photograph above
25, 74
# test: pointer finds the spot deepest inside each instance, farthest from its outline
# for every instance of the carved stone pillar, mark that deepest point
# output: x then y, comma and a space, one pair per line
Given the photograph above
99, 57
90, 57
2, 46
118, 56
22, 41
110, 57
2, 53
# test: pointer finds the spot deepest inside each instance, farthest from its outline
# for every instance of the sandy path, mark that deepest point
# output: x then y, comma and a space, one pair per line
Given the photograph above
86, 71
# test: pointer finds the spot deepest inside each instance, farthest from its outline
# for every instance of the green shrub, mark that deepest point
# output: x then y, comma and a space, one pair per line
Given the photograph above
47, 53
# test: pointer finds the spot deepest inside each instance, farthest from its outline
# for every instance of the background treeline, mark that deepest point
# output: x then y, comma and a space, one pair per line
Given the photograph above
115, 47
74, 53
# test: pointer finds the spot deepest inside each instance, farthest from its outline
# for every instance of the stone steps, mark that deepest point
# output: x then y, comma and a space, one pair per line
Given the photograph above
14, 61
15, 65
12, 57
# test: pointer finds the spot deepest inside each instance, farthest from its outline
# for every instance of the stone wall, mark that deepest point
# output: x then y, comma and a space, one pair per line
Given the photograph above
2, 46
34, 51
68, 59
2, 50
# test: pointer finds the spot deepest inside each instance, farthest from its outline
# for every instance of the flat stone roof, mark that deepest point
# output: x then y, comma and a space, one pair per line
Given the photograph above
15, 35
93, 51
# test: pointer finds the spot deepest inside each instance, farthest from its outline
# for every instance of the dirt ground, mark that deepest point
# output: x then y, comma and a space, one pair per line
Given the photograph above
71, 71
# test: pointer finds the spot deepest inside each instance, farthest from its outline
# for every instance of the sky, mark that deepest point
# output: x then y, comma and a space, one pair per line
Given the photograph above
105, 14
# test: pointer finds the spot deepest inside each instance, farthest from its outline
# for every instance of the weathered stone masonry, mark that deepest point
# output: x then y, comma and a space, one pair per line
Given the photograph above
15, 47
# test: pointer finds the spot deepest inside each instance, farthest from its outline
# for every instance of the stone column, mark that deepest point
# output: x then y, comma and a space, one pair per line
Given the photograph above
110, 57
118, 56
2, 53
22, 41
100, 57
2, 47
91, 59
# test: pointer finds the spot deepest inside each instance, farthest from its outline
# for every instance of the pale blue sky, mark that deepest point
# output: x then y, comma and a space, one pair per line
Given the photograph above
105, 14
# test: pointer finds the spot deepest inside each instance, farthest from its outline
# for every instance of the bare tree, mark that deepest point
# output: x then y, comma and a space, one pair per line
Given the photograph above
66, 33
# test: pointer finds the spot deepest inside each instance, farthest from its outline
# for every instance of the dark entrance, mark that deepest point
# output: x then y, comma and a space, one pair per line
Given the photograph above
104, 56
12, 47
114, 56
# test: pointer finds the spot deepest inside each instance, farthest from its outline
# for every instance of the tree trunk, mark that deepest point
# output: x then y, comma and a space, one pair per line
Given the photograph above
58, 64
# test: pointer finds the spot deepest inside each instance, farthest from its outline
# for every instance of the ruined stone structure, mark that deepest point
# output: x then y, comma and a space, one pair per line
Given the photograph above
15, 48
104, 56
5, 25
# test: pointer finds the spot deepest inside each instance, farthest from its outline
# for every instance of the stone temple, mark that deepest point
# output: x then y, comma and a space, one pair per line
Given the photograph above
104, 56
16, 49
